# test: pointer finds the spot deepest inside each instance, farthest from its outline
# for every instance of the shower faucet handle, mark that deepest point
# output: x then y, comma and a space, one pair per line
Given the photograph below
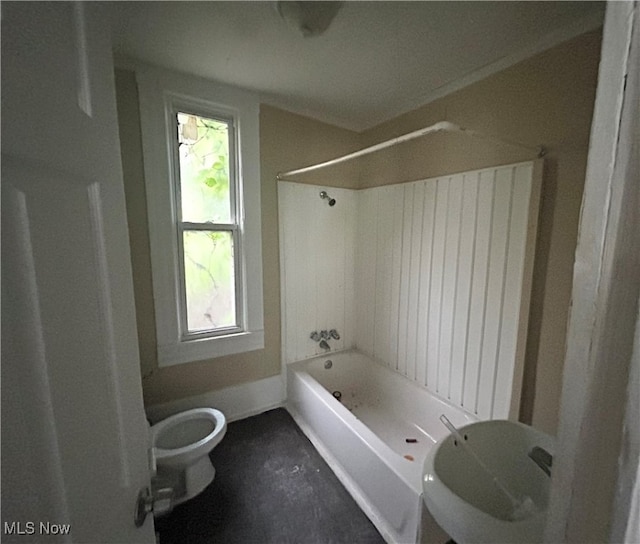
334, 334
315, 336
324, 335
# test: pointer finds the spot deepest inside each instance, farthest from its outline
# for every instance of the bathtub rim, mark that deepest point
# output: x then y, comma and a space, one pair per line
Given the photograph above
410, 472
331, 455
411, 383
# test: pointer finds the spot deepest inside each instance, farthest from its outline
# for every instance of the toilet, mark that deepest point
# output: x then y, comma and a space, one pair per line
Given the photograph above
181, 446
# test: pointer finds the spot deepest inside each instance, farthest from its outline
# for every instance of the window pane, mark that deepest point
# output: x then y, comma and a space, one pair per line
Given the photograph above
209, 279
204, 169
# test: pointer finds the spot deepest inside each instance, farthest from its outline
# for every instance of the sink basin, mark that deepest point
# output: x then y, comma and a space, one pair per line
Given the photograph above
463, 497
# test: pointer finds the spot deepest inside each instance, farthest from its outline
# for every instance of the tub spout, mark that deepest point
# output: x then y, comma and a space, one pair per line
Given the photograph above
324, 345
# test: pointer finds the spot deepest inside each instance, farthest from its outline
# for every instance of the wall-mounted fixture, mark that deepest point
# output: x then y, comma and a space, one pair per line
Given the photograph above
325, 196
323, 338
308, 18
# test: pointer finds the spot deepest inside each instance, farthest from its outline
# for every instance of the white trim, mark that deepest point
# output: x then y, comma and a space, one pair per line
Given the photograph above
200, 349
156, 86
625, 523
604, 303
235, 402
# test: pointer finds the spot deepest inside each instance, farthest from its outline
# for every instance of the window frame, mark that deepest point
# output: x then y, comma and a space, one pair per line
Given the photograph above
175, 106
161, 95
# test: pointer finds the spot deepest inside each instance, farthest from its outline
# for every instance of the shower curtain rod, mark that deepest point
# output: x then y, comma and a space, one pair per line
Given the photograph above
438, 127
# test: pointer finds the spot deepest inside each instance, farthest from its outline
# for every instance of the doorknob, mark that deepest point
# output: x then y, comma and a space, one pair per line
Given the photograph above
159, 501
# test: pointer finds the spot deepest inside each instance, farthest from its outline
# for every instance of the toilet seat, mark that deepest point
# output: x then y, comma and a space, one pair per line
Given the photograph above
185, 454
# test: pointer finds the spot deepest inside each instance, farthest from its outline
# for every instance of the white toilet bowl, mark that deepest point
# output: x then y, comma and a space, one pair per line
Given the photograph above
181, 446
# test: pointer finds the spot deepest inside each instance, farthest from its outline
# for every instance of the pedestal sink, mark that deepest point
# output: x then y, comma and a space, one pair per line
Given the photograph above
464, 498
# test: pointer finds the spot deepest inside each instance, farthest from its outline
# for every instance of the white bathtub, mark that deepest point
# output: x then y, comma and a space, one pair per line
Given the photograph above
367, 437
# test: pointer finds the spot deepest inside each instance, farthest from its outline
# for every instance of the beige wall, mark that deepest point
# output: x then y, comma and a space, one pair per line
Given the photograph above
286, 141
547, 100
289, 141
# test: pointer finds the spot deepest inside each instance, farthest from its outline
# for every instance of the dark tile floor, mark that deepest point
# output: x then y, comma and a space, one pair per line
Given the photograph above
271, 487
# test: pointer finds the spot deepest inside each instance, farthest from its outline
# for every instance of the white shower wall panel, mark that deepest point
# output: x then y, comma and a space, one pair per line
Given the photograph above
431, 278
443, 270
365, 285
317, 245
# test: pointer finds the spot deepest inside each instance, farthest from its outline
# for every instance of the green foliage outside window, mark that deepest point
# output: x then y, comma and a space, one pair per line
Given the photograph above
205, 197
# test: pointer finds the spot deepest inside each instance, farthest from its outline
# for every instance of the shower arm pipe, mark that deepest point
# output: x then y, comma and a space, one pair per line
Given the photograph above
445, 126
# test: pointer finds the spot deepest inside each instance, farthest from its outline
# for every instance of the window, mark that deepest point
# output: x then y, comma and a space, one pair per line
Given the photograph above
207, 226
201, 156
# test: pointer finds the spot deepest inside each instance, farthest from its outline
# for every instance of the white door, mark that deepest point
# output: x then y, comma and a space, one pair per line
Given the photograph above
74, 435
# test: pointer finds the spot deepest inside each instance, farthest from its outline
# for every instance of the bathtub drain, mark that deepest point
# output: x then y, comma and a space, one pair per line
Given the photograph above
337, 395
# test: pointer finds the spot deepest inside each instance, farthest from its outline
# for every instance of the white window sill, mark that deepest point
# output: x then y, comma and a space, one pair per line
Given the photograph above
201, 349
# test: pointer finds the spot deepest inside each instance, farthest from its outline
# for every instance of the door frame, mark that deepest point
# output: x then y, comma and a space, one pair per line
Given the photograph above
595, 470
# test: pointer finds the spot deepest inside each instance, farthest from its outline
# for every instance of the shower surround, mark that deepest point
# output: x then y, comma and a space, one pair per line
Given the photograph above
429, 278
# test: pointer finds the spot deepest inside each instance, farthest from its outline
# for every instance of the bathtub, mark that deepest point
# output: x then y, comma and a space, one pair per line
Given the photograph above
374, 428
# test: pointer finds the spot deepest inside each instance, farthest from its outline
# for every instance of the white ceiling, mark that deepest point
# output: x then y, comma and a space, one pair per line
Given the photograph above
376, 61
